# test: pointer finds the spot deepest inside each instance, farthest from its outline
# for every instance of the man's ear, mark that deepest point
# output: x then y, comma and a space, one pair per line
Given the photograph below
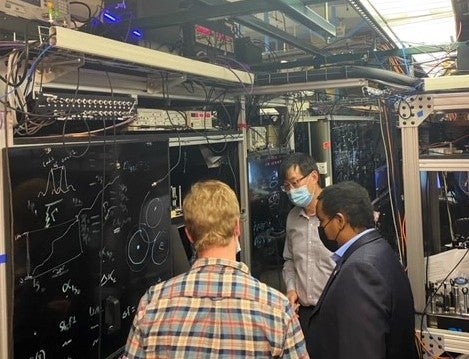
315, 175
188, 235
237, 229
342, 219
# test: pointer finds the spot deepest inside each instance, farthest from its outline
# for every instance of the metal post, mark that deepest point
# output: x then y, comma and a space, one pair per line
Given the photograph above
5, 133
412, 112
243, 186
413, 214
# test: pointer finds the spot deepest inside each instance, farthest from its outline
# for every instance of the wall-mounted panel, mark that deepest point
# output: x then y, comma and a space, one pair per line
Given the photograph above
91, 234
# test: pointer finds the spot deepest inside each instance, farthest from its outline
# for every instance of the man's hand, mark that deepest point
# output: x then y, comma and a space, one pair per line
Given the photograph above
293, 299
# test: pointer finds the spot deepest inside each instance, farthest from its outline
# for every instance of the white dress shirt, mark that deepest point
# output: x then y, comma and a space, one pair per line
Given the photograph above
308, 263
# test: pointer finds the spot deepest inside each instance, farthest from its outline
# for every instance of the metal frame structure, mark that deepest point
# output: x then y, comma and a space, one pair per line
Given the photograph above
243, 185
4, 305
412, 114
60, 75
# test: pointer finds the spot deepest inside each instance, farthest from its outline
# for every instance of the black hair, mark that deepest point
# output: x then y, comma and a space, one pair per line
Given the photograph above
350, 199
304, 162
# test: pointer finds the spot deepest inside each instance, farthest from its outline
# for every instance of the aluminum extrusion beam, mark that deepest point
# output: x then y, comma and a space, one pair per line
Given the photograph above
198, 13
206, 139
413, 212
448, 340
444, 164
6, 292
450, 101
297, 11
374, 21
80, 42
446, 83
305, 86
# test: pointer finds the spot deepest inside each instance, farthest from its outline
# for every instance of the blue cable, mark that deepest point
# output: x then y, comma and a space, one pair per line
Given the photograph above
31, 69
405, 61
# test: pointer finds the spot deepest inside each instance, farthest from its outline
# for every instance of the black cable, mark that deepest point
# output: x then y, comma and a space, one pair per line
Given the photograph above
85, 5
113, 116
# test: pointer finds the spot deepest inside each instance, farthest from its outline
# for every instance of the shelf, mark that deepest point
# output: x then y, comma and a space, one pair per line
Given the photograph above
444, 164
205, 139
446, 83
92, 45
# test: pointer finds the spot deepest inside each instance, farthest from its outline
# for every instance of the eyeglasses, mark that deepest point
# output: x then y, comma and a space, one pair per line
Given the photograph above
329, 221
288, 186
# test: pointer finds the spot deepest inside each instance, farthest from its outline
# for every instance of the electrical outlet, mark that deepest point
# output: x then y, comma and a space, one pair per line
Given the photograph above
322, 167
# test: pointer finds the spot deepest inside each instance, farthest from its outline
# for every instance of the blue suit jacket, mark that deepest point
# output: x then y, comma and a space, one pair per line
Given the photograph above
366, 310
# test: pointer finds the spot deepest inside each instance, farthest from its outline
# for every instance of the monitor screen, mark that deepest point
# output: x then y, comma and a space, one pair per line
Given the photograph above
381, 179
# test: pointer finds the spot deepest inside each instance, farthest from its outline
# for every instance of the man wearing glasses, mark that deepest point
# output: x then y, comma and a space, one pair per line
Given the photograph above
308, 263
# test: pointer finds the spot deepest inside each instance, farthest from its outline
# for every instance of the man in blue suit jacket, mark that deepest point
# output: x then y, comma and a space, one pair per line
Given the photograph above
366, 310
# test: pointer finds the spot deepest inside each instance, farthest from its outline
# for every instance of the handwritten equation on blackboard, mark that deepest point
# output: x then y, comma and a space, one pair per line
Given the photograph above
91, 234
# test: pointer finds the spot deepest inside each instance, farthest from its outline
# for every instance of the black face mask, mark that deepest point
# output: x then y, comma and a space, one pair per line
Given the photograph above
329, 244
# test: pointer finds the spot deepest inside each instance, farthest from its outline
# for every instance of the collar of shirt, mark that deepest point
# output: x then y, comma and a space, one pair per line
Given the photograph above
339, 253
202, 262
303, 213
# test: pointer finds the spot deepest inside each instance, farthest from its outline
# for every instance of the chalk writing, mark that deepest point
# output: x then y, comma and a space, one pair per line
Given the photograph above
77, 202
109, 277
93, 311
37, 286
67, 342
59, 271
32, 207
274, 200
261, 226
41, 354
51, 210
160, 249
72, 153
106, 255
66, 325
68, 287
128, 312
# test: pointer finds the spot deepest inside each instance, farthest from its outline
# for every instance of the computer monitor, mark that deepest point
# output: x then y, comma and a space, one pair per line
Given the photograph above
381, 180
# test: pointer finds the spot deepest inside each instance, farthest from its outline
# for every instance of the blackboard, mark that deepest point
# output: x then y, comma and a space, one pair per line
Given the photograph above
91, 234
269, 208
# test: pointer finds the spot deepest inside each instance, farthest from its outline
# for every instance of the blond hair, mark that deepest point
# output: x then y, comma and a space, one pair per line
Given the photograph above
211, 212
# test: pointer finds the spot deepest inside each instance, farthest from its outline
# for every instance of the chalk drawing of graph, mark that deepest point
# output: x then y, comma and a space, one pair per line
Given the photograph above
51, 247
57, 182
58, 245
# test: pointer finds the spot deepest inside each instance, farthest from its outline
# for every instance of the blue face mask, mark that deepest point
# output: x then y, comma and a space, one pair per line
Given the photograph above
300, 196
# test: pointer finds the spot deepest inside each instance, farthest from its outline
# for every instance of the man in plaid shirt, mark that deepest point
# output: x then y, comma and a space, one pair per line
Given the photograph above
217, 309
